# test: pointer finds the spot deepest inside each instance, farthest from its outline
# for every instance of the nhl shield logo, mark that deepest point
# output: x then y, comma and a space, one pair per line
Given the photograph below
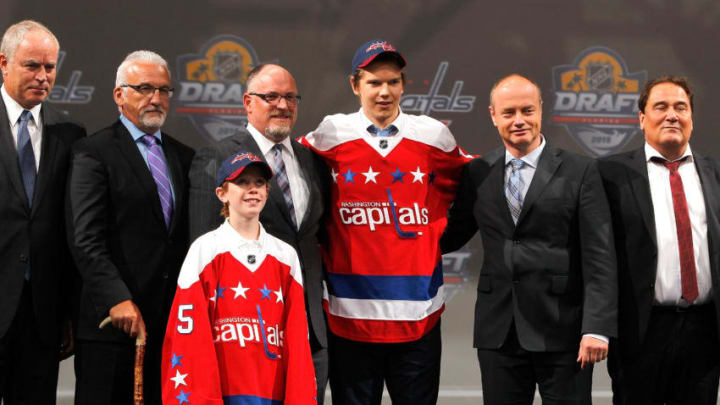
212, 83
596, 100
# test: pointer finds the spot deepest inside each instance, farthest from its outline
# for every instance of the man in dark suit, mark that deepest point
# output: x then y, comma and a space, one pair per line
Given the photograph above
128, 195
36, 269
296, 201
547, 295
664, 200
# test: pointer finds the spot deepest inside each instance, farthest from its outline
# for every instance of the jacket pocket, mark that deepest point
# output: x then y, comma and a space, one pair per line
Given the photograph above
558, 284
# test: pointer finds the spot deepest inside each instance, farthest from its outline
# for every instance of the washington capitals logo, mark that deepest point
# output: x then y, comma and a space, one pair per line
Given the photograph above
212, 83
380, 45
596, 100
248, 156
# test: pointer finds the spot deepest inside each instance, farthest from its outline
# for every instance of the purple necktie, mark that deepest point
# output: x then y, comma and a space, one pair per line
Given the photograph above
160, 174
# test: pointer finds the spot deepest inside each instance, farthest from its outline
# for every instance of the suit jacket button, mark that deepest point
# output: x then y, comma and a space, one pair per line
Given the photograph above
23, 258
516, 281
516, 241
165, 275
652, 285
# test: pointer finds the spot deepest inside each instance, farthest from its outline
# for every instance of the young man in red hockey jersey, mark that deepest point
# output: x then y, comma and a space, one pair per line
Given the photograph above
237, 332
394, 177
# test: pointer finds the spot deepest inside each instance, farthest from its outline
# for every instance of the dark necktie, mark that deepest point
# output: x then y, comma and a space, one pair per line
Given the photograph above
159, 172
26, 157
688, 277
282, 180
389, 131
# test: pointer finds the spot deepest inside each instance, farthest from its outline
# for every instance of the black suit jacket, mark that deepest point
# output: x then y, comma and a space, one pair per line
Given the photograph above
626, 183
275, 217
122, 247
36, 235
553, 274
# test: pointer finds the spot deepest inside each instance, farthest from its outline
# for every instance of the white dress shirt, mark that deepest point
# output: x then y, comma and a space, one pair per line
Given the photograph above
668, 287
298, 186
14, 110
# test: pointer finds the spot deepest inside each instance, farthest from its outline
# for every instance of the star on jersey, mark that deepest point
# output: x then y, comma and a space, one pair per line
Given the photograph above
370, 175
417, 175
279, 295
175, 361
334, 175
183, 397
265, 292
398, 175
239, 290
349, 176
179, 379
218, 293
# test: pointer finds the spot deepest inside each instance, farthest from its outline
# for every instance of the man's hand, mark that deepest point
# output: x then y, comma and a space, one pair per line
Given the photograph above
67, 342
126, 317
591, 351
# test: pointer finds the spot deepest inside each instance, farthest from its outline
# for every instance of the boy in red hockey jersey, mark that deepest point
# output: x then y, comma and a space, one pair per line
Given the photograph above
237, 332
394, 177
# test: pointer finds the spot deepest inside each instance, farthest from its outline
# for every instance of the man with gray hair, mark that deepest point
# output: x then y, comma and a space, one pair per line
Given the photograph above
128, 199
36, 268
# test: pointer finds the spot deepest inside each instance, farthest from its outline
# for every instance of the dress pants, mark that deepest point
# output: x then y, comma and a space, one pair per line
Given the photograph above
104, 373
320, 362
28, 367
411, 370
678, 363
510, 374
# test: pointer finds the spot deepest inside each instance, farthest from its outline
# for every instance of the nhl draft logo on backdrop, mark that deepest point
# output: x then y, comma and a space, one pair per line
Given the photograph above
212, 83
596, 100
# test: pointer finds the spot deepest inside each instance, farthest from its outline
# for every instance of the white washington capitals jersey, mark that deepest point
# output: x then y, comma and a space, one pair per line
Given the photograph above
237, 333
389, 202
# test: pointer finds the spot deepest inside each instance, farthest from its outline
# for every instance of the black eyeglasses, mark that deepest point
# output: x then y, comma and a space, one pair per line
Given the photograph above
149, 91
274, 98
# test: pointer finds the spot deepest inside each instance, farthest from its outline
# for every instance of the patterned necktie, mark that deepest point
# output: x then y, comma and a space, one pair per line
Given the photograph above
688, 277
389, 131
282, 180
26, 157
513, 189
159, 172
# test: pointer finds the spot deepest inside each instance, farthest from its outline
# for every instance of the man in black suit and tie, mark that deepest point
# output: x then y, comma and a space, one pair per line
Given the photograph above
547, 295
128, 195
297, 190
36, 268
664, 200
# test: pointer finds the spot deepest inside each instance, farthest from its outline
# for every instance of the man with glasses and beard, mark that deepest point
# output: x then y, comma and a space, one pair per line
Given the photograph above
128, 199
297, 189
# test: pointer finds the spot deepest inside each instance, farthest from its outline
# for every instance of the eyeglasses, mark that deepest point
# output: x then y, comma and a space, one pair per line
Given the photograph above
274, 98
149, 91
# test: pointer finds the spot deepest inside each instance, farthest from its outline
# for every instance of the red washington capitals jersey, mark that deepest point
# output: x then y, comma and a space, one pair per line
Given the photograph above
237, 333
389, 203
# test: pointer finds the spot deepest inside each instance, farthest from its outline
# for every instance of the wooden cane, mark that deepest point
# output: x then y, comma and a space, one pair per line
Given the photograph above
138, 395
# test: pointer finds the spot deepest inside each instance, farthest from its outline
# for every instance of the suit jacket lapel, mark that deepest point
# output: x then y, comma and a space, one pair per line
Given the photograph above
130, 152
178, 182
48, 155
638, 175
711, 195
496, 184
8, 154
304, 159
547, 165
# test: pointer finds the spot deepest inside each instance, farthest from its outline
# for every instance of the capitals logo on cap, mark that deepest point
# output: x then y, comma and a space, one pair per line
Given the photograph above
370, 50
233, 166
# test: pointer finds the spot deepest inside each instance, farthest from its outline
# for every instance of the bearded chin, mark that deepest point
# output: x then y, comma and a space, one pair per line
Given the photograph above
154, 123
277, 133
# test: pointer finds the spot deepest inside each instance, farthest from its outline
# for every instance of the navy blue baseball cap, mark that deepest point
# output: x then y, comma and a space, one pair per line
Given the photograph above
233, 166
370, 50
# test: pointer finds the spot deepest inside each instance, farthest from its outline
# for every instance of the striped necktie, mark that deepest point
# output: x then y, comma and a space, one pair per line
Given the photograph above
513, 189
157, 167
282, 180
